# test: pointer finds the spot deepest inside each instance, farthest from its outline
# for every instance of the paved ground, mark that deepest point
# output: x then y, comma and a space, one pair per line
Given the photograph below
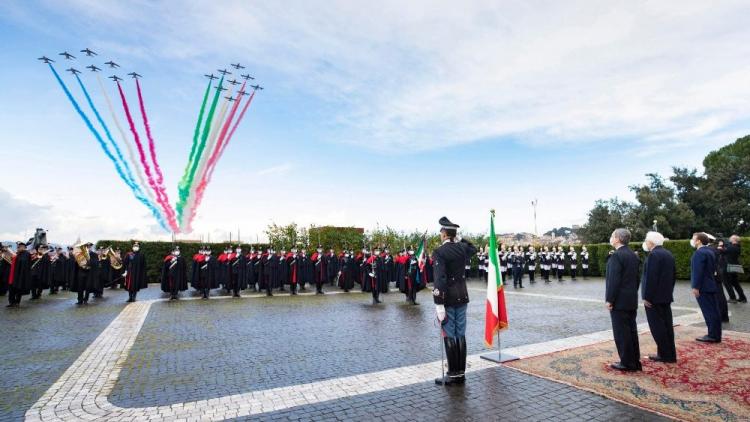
288, 358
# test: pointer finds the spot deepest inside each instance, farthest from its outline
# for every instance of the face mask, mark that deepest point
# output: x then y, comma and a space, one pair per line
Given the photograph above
645, 247
320, 250
176, 253
136, 248
611, 242
692, 243
238, 250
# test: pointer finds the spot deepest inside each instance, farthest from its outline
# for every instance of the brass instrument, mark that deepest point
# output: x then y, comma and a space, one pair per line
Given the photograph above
114, 260
81, 255
8, 255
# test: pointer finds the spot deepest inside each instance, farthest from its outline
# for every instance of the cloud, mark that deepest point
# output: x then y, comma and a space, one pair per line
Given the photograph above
423, 75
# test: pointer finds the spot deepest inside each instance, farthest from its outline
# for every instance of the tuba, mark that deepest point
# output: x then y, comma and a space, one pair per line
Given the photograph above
7, 255
81, 255
114, 260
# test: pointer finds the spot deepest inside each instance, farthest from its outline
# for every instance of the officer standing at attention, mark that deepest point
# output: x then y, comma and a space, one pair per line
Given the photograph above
452, 297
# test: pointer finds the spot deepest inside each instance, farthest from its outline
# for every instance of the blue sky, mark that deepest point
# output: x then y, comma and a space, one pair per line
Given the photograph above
391, 114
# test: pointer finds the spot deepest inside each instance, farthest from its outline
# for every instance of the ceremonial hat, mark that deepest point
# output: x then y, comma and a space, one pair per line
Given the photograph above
447, 224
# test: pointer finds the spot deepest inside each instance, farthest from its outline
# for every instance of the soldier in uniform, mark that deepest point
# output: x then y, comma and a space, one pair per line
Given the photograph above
6, 258
451, 298
85, 274
585, 262
517, 264
531, 263
503, 255
135, 272
19, 279
174, 274
560, 260
573, 255
374, 275
321, 270
41, 267
346, 272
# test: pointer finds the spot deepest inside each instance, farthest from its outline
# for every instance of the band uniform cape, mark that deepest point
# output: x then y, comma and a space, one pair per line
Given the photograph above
449, 279
204, 275
135, 265
20, 272
173, 274
85, 279
41, 271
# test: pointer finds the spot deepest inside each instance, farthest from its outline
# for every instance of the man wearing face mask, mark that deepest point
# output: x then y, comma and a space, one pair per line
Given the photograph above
346, 272
657, 287
622, 300
585, 262
238, 270
702, 270
321, 270
451, 298
174, 274
135, 272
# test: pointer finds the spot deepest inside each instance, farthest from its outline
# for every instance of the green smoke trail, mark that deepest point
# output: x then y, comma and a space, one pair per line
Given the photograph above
184, 189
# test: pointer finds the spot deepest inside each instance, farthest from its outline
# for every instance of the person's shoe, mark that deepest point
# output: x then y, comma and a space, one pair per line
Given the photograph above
657, 358
294, 293
10, 305
707, 339
269, 294
620, 367
725, 320
732, 301
743, 300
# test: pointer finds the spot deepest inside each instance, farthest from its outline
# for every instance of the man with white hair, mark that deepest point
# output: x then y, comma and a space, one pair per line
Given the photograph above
657, 287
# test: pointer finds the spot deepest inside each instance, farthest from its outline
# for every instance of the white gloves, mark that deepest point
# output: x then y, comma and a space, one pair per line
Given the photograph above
440, 309
125, 273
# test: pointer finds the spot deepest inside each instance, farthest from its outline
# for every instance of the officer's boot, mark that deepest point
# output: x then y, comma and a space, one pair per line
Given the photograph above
293, 289
461, 364
451, 355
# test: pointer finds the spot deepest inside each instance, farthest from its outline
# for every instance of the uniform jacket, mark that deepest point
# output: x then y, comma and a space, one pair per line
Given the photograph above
702, 270
449, 278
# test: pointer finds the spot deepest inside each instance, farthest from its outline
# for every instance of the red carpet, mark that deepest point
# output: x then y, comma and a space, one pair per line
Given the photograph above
708, 382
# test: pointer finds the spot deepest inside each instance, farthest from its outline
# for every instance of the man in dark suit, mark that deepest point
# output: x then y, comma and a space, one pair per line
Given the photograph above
657, 286
622, 300
732, 254
702, 269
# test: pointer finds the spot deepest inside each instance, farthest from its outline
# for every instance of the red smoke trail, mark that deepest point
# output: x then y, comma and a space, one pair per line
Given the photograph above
218, 152
168, 212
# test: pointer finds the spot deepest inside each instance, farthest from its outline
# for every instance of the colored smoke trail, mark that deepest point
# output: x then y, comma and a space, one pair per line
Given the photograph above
107, 152
152, 151
124, 139
144, 162
202, 164
182, 187
200, 190
181, 202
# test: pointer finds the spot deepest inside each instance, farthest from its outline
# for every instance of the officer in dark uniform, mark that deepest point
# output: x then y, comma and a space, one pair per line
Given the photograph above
452, 297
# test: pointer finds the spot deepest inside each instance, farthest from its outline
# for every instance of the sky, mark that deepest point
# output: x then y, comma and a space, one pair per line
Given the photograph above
373, 114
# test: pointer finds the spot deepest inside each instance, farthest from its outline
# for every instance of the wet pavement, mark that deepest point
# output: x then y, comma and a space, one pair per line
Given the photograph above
194, 350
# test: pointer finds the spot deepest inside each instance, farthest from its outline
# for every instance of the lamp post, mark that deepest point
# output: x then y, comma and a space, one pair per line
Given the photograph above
533, 204
654, 227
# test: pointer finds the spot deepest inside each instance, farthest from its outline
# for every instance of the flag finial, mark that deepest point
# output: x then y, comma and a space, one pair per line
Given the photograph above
492, 211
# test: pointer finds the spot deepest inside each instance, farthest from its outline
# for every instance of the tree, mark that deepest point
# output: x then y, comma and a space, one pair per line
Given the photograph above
604, 218
657, 201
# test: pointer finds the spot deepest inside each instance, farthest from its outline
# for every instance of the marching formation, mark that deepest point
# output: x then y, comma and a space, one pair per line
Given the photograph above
553, 262
87, 270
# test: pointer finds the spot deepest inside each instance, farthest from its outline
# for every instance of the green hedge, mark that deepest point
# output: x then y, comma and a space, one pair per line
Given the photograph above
156, 251
681, 250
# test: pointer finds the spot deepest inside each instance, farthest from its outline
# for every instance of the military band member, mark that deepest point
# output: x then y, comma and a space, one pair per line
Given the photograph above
293, 271
40, 271
204, 272
374, 275
451, 298
544, 263
332, 266
573, 257
482, 264
85, 275
6, 258
585, 262
19, 278
174, 274
135, 272
284, 260
238, 271
71, 266
346, 272
252, 269
531, 263
306, 270
413, 281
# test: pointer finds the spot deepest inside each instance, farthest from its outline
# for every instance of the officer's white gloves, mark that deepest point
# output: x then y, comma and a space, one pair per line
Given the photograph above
440, 309
125, 273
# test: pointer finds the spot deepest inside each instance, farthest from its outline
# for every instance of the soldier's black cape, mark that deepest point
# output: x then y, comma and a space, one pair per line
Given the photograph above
135, 265
20, 275
173, 274
41, 272
85, 279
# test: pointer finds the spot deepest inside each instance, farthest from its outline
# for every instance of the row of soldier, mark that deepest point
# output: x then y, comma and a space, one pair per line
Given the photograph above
87, 270
516, 261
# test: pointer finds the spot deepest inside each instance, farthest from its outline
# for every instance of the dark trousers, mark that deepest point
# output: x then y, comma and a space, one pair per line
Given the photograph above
733, 284
83, 295
517, 275
626, 338
710, 308
573, 272
662, 329
14, 296
721, 301
531, 275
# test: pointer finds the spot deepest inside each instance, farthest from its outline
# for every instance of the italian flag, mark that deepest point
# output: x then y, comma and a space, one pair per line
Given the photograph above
496, 316
421, 254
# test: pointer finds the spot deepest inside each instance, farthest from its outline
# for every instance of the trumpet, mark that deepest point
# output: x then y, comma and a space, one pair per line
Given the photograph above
8, 255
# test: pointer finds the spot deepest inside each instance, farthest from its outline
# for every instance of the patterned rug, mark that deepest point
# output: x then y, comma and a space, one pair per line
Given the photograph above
709, 381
